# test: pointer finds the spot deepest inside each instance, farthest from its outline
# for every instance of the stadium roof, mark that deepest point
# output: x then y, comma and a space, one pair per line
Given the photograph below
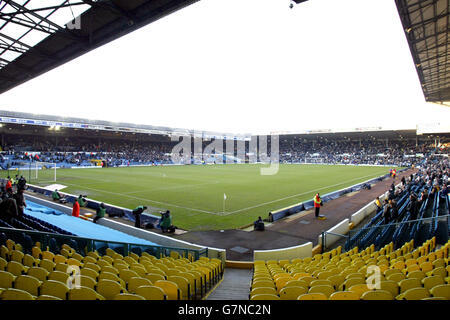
427, 26
37, 36
13, 117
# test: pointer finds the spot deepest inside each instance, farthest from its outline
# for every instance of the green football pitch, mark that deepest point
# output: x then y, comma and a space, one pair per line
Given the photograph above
195, 194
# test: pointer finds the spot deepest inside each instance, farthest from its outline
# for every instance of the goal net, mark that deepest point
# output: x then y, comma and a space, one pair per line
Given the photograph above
44, 171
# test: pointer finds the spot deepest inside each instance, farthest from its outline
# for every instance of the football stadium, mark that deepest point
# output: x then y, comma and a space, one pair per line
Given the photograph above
94, 208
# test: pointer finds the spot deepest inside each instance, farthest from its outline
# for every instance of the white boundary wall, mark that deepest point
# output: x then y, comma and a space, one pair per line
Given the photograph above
301, 251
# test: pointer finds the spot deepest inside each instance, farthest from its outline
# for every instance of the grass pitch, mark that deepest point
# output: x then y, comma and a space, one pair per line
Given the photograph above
195, 194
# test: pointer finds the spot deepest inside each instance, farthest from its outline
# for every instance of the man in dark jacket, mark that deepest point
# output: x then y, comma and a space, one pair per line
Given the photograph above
413, 207
386, 212
20, 202
137, 215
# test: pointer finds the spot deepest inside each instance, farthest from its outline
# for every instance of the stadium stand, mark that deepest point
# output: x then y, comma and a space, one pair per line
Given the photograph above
69, 275
406, 273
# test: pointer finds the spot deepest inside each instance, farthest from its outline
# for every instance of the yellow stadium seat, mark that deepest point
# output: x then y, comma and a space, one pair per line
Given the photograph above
54, 288
426, 266
151, 293
292, 293
325, 289
17, 256
84, 293
435, 298
321, 282
16, 268
89, 273
417, 293
263, 290
4, 252
86, 281
47, 297
47, 264
109, 289
432, 281
153, 277
48, 255
263, 283
136, 282
38, 272
407, 284
16, 294
126, 274
265, 297
128, 296
113, 277
418, 274
110, 269
439, 271
307, 279
442, 290
281, 282
389, 285
359, 289
397, 277
74, 262
170, 289
313, 296
344, 295
28, 283
6, 279
336, 280
92, 266
89, 259
351, 282
296, 283
58, 276
377, 295
3, 264
59, 259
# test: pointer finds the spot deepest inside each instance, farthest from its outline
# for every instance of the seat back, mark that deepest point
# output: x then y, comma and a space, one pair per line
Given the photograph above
54, 288
6, 279
313, 296
170, 288
84, 293
28, 283
292, 293
151, 293
377, 295
442, 290
327, 290
265, 297
136, 282
344, 295
15, 294
109, 289
128, 296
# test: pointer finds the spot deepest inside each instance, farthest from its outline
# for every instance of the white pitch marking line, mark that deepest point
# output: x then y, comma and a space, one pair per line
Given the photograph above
144, 199
295, 195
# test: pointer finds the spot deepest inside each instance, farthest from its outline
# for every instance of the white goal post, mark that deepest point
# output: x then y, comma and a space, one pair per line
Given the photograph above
314, 160
38, 166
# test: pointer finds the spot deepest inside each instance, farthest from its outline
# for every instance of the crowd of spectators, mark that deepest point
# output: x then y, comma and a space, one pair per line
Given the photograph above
117, 152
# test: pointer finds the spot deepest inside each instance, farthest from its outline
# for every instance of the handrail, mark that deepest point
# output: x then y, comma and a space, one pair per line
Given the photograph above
91, 242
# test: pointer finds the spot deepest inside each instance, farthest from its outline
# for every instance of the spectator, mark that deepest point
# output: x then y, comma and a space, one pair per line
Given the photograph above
76, 209
166, 222
100, 213
258, 225
317, 204
378, 203
82, 201
386, 212
137, 215
20, 202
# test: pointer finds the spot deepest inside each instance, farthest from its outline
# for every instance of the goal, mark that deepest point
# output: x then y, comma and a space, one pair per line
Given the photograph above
42, 171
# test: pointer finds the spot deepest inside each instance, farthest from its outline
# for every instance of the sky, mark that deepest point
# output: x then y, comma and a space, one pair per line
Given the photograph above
246, 66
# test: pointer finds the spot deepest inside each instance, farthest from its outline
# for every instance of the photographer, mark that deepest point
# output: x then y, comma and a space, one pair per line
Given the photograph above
166, 222
137, 215
82, 201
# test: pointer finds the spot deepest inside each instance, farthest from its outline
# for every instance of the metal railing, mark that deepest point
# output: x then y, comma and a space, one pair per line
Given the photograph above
382, 234
83, 245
